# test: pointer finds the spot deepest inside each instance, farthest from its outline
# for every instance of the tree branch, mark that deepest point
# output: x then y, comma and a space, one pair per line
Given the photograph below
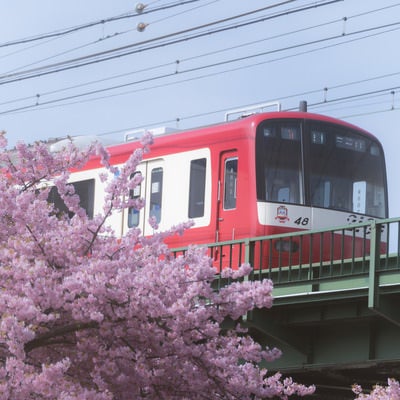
49, 337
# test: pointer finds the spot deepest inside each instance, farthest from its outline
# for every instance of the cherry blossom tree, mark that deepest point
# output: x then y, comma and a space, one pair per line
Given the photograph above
379, 392
87, 315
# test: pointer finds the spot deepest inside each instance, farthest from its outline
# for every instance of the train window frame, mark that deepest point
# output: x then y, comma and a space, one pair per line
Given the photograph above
197, 187
279, 162
230, 178
355, 191
86, 200
156, 189
134, 213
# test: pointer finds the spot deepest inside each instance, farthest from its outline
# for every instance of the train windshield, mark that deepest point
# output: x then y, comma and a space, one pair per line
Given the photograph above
321, 165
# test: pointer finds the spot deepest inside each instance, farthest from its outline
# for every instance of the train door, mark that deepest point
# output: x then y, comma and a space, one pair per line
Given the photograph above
227, 214
150, 189
133, 218
154, 194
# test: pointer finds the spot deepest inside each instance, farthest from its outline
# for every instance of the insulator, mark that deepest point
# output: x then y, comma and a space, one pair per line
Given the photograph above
140, 7
141, 26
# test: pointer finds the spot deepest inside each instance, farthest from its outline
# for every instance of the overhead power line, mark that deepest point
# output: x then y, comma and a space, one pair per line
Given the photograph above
135, 47
169, 63
66, 31
196, 57
101, 39
332, 101
344, 40
326, 102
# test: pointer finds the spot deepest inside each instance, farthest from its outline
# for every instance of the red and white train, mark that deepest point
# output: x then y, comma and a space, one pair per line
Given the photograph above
266, 173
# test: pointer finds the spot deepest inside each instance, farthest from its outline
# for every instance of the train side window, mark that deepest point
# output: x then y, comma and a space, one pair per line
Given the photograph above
85, 191
197, 188
133, 213
230, 189
156, 193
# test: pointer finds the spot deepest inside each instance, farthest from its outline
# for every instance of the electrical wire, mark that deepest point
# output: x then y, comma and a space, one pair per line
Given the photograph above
77, 28
195, 57
224, 110
169, 64
102, 39
217, 64
129, 49
355, 97
183, 12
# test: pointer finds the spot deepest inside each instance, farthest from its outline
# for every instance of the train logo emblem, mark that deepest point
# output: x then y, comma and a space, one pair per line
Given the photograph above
282, 214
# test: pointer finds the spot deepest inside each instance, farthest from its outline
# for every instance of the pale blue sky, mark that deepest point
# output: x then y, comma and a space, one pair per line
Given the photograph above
354, 53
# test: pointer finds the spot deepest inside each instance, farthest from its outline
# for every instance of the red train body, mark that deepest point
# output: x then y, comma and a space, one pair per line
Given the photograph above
264, 174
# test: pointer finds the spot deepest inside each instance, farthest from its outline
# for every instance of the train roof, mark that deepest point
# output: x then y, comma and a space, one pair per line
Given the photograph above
244, 118
253, 119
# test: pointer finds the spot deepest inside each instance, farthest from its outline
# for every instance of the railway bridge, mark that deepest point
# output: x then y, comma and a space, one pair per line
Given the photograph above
336, 314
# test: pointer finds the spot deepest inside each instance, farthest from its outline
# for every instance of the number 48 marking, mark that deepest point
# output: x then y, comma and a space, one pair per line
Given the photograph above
302, 221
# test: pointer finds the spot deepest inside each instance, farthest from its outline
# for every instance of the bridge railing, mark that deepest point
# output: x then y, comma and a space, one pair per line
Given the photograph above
312, 256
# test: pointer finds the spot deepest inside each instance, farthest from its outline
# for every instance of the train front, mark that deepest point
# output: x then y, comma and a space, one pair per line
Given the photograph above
313, 173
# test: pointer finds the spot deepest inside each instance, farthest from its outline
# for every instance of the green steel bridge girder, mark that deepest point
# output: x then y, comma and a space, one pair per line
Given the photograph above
336, 332
321, 331
336, 320
332, 343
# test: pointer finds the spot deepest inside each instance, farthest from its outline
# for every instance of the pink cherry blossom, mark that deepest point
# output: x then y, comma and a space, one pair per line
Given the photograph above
85, 314
379, 392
